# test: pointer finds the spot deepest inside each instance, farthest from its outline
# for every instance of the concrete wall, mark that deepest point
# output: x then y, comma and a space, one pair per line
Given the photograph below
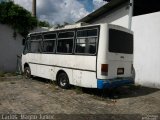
118, 16
147, 49
10, 48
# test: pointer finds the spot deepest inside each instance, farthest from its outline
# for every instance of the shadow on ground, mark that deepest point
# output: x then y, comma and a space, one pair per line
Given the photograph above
122, 92
116, 93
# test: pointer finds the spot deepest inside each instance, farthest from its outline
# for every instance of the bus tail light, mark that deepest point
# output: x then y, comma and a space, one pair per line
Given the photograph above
104, 69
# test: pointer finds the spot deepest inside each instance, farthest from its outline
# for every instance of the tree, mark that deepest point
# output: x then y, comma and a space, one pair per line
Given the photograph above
43, 24
17, 17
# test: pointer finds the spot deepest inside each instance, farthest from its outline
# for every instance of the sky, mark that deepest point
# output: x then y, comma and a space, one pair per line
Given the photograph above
60, 11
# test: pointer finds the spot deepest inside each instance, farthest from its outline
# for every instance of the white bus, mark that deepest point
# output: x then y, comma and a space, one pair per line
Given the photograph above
92, 56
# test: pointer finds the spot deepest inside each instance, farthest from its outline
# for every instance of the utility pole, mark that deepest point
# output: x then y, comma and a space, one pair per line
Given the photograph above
131, 5
34, 8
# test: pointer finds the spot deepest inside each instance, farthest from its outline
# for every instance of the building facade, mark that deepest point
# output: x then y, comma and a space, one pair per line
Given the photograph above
146, 27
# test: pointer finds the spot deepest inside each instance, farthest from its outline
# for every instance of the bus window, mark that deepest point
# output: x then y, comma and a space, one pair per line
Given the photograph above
120, 42
86, 41
65, 42
27, 46
49, 43
35, 42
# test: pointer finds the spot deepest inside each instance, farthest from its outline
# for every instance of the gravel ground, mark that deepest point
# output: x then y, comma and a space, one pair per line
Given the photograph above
40, 96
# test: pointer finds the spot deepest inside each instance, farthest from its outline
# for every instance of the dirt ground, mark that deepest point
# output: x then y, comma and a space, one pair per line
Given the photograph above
39, 96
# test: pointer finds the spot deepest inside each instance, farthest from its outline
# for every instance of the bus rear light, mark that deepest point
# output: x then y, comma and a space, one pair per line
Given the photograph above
104, 69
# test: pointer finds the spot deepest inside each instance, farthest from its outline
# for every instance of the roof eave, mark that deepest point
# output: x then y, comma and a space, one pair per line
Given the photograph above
106, 8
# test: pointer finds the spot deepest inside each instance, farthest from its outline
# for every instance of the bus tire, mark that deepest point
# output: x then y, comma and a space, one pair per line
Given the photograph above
63, 80
27, 72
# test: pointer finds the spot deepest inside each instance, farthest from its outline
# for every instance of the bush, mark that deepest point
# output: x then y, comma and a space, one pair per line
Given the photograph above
18, 18
2, 74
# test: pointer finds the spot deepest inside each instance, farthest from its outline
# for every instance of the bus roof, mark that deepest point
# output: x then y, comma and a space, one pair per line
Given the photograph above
78, 25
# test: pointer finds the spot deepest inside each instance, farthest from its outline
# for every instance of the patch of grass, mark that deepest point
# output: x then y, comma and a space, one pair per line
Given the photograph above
52, 85
134, 87
10, 74
2, 74
78, 90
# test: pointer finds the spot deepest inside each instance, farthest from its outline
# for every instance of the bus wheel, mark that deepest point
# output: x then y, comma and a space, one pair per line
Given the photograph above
27, 72
63, 80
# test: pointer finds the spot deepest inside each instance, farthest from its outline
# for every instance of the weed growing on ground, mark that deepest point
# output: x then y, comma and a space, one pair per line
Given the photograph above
78, 90
2, 74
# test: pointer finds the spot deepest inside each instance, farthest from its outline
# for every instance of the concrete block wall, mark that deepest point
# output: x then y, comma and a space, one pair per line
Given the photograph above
9, 48
147, 49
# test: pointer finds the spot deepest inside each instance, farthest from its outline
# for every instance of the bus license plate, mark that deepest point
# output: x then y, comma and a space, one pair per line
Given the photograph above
120, 71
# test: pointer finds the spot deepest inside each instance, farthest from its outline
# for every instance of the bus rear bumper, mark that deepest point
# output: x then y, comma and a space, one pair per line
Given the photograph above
113, 83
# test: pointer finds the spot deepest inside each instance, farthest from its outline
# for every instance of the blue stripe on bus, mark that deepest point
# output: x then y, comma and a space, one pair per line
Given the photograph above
113, 83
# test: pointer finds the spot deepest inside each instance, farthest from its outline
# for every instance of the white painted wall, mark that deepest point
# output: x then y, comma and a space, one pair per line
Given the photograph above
147, 49
10, 48
118, 16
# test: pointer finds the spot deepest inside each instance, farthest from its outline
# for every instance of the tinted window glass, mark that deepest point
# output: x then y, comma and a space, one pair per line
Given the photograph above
65, 45
38, 37
36, 44
27, 46
49, 46
65, 42
49, 42
86, 45
50, 36
66, 35
120, 42
86, 41
87, 33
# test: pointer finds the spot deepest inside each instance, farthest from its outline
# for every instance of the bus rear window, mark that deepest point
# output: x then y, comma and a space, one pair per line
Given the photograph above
120, 42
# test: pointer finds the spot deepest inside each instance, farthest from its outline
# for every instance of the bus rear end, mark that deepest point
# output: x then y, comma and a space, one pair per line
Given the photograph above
115, 57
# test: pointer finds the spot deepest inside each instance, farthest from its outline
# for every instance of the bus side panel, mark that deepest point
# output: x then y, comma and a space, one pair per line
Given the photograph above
78, 69
33, 68
47, 72
84, 74
84, 79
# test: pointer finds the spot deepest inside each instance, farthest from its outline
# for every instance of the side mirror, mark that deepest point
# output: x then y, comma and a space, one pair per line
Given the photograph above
23, 41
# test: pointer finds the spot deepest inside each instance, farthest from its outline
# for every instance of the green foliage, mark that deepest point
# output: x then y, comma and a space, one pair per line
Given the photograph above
61, 25
2, 74
43, 24
17, 17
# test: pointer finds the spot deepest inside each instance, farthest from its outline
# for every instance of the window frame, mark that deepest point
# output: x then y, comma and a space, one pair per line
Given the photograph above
55, 46
109, 41
96, 44
41, 44
26, 49
58, 32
